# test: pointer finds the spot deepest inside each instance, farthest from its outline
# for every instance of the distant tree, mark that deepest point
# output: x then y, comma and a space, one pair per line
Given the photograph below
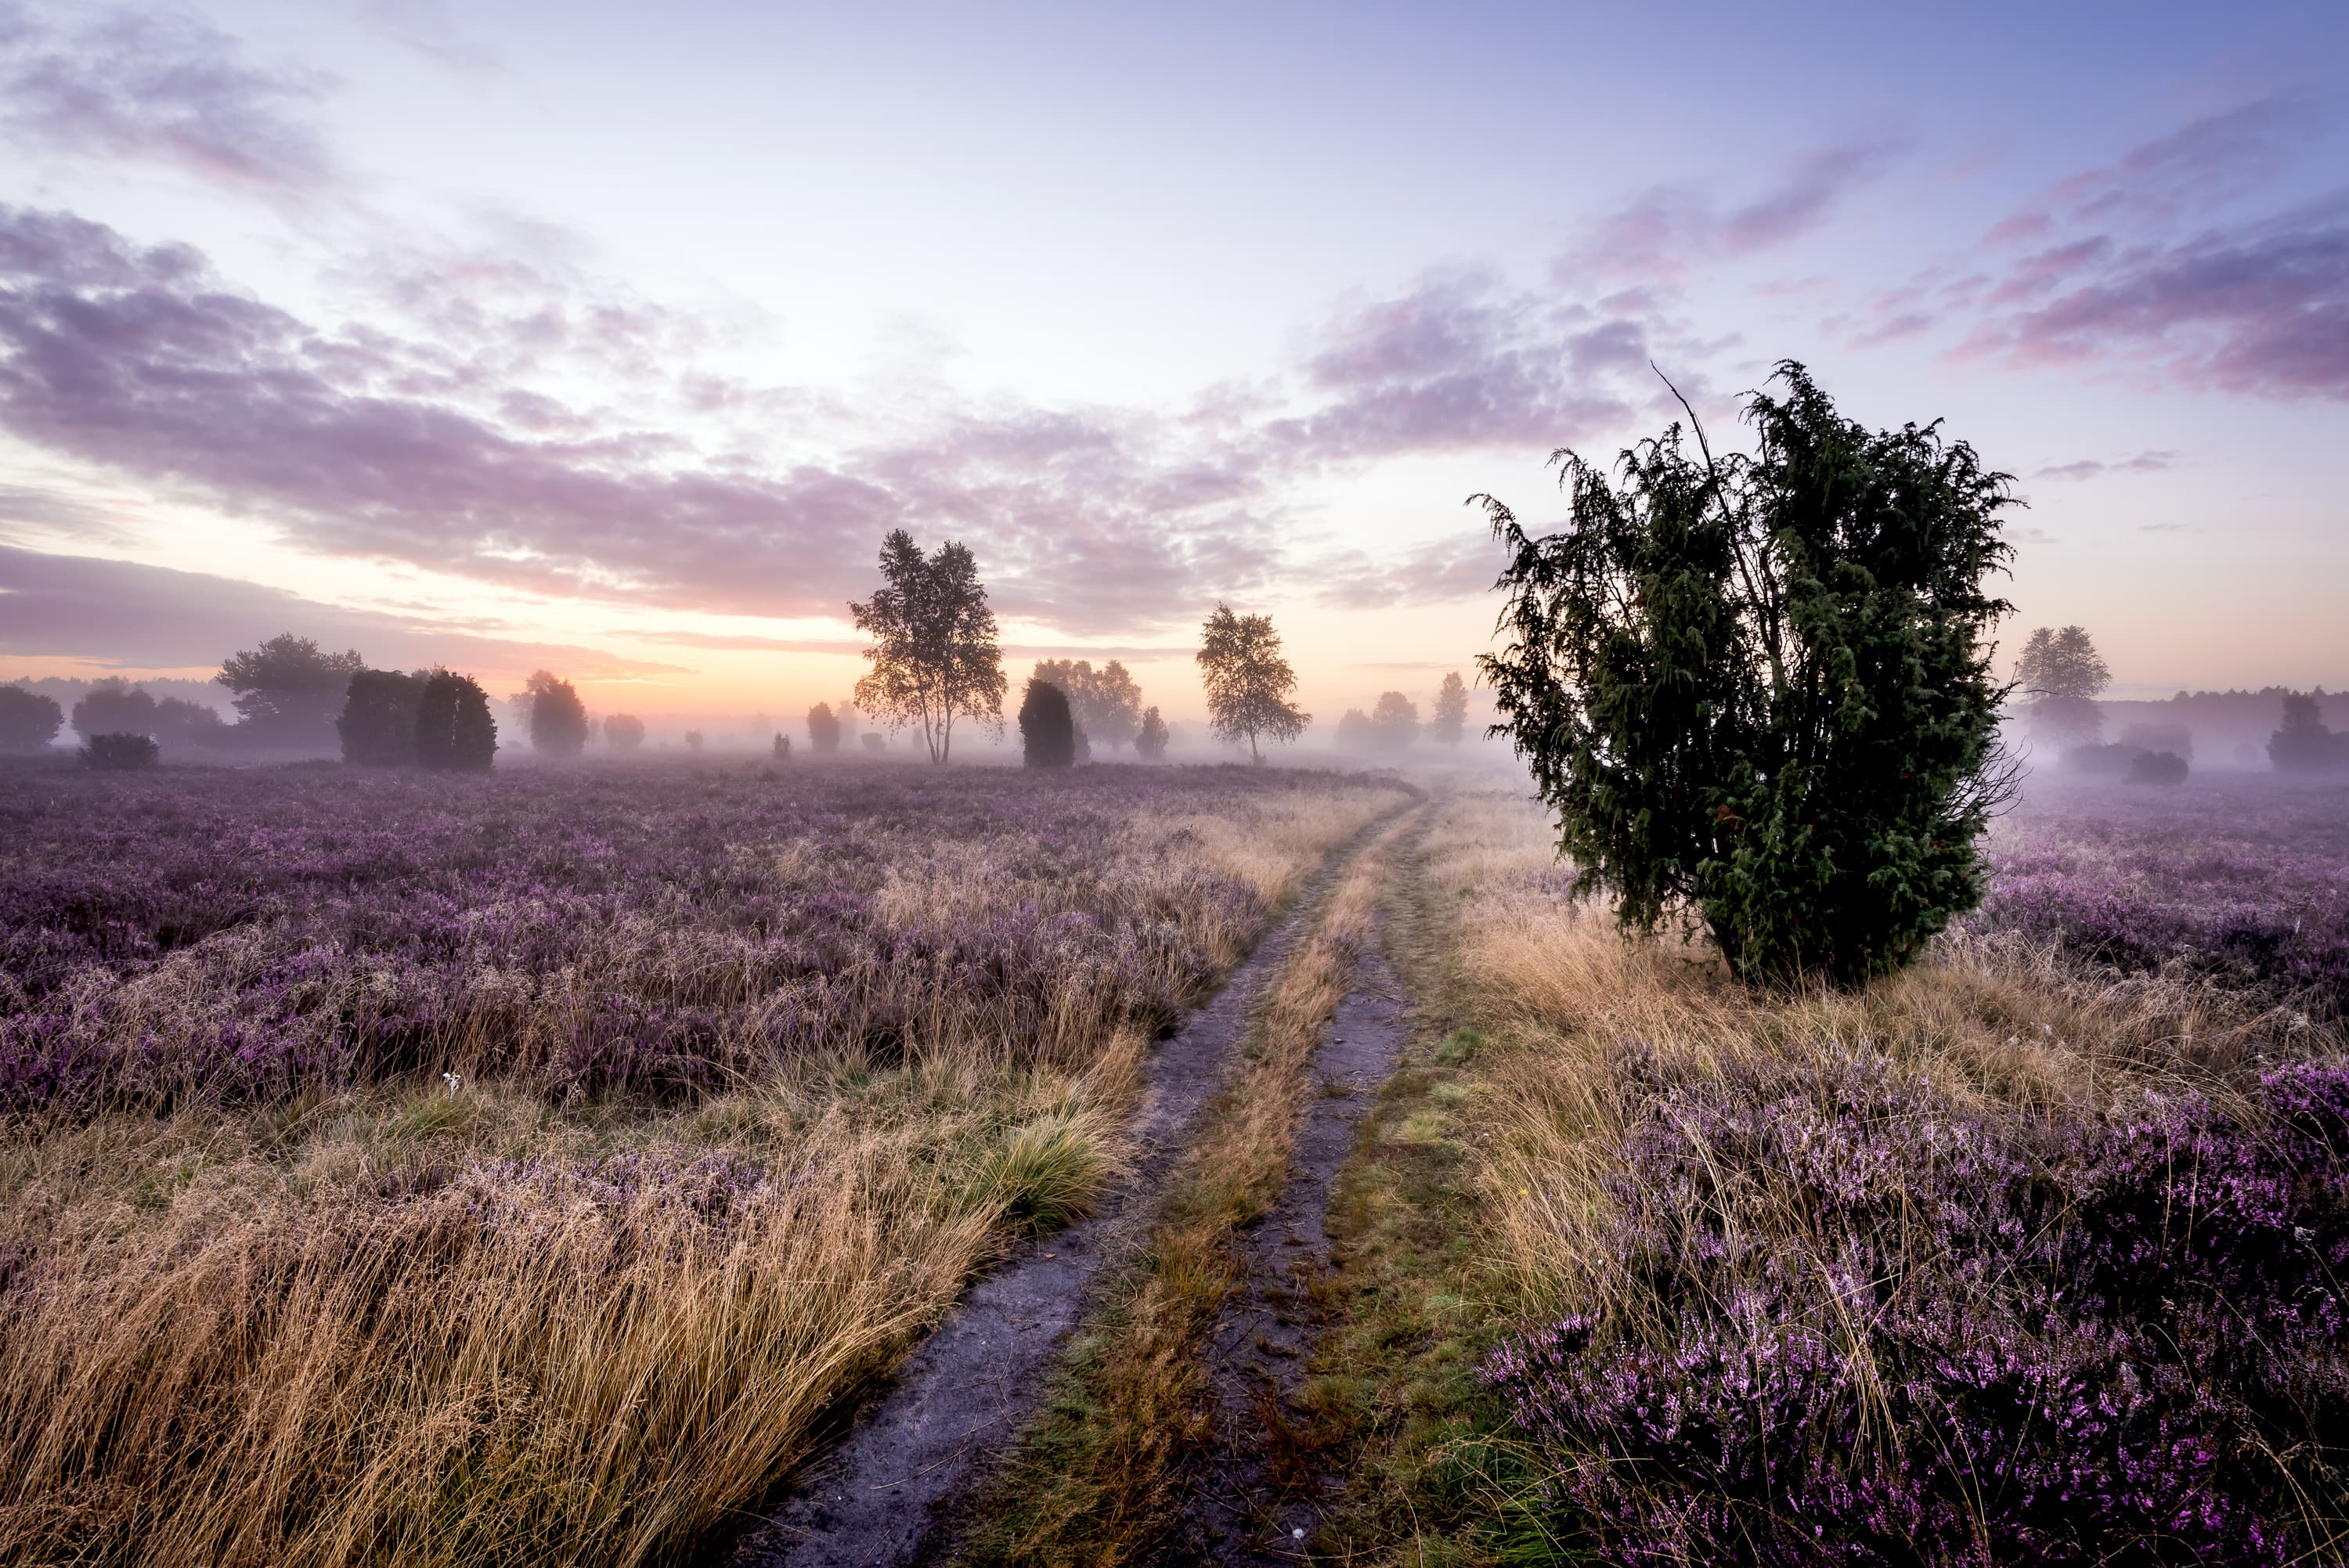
823, 729
1150, 741
693, 740
114, 707
624, 731
874, 741
2061, 673
1758, 690
2158, 768
1396, 720
1451, 722
782, 747
558, 720
1356, 732
119, 753
1106, 702
378, 723
28, 720
180, 723
288, 690
454, 731
933, 655
1247, 681
1048, 726
2304, 744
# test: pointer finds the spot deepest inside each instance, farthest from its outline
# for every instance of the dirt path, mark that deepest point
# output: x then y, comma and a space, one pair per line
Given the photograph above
1253, 1501
882, 1498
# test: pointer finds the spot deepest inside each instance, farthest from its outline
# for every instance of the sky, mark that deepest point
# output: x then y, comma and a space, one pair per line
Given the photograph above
611, 339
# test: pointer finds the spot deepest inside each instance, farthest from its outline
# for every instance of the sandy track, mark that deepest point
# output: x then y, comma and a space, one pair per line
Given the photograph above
884, 1496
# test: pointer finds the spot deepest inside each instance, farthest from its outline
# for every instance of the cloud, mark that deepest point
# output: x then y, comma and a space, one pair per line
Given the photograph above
1444, 570
2089, 467
135, 616
2206, 163
1667, 231
165, 89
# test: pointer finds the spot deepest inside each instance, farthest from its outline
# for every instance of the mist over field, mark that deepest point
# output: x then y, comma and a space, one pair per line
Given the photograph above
1061, 786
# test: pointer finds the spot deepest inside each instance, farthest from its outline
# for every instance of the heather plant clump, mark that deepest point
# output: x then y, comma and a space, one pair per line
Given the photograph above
1865, 1323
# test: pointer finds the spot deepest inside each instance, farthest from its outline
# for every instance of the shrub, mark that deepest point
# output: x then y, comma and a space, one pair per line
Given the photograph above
1980, 1341
2100, 761
624, 732
1149, 740
454, 731
874, 741
28, 720
1048, 731
823, 729
558, 720
2157, 768
2305, 745
782, 747
121, 752
377, 725
1758, 692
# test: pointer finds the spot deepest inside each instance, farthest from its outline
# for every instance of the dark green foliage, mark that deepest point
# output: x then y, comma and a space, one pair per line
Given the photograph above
288, 690
2158, 768
28, 720
454, 731
823, 729
379, 722
120, 753
1757, 691
1048, 731
558, 720
1149, 740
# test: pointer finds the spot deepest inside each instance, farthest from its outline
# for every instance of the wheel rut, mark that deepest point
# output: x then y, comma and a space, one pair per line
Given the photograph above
1254, 1495
884, 1496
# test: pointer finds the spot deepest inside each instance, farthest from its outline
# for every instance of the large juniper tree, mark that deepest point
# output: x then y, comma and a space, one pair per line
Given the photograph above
1758, 690
935, 656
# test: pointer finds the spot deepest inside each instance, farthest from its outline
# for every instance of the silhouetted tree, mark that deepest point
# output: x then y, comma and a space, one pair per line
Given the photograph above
119, 753
454, 731
1757, 691
1048, 727
29, 720
624, 731
2061, 673
874, 741
1247, 681
288, 690
1106, 702
1356, 732
1149, 740
114, 707
1450, 721
558, 720
1395, 720
2304, 744
180, 723
693, 740
379, 721
782, 747
823, 729
934, 654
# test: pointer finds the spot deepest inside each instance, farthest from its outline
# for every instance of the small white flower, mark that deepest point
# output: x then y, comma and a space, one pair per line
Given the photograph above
453, 1081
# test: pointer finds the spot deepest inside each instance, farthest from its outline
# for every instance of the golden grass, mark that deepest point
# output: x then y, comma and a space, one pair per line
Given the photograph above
403, 1324
1095, 1482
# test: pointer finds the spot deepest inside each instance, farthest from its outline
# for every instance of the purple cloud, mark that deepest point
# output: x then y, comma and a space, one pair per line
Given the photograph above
2089, 467
164, 90
1441, 571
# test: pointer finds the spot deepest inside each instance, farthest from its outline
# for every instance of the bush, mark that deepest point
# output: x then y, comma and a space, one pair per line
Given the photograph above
782, 747
624, 732
823, 729
121, 752
1758, 692
558, 720
379, 722
2100, 761
454, 731
28, 720
2305, 745
2158, 768
874, 741
1149, 740
1048, 730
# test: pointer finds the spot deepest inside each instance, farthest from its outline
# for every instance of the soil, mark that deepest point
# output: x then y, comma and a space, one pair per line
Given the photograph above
1253, 1499
885, 1495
